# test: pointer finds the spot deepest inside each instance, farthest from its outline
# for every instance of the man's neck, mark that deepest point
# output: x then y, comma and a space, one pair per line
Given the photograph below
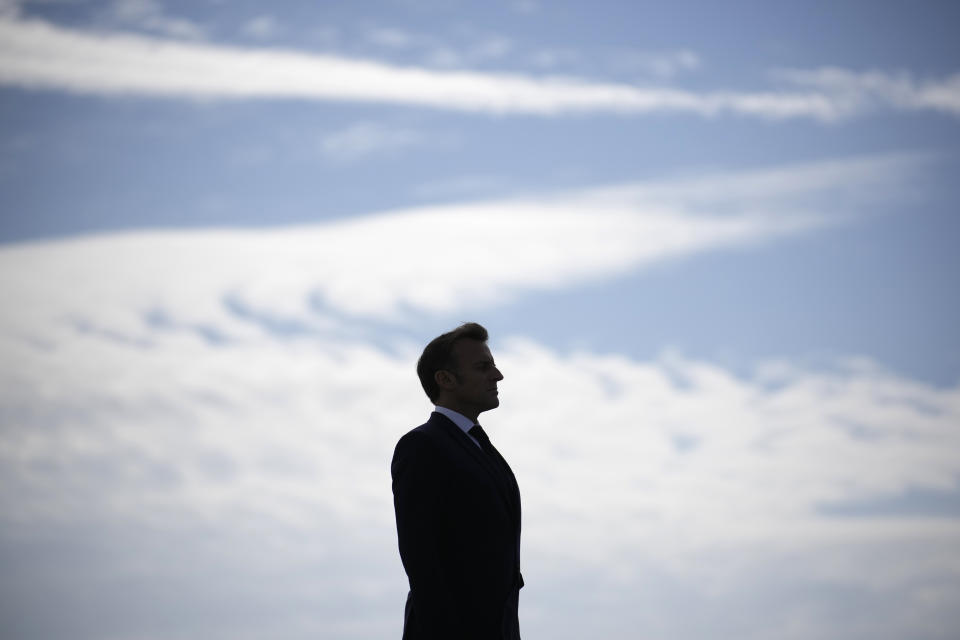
464, 411
472, 420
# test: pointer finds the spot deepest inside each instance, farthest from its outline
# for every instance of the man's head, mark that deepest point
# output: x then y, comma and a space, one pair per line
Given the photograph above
457, 371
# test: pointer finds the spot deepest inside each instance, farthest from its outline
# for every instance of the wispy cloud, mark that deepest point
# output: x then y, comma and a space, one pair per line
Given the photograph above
543, 242
526, 6
878, 89
262, 27
9, 9
549, 58
491, 48
462, 185
365, 138
665, 64
473, 49
40, 55
150, 16
390, 37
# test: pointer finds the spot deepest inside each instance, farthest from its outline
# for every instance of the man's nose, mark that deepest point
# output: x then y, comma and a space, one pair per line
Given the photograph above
497, 375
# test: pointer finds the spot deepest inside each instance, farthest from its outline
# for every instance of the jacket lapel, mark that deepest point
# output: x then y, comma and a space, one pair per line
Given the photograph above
502, 482
513, 487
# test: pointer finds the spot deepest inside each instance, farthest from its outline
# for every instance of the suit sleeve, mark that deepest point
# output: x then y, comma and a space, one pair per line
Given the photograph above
419, 483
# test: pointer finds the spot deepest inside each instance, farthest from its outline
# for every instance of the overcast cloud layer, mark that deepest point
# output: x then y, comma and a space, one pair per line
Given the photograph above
174, 458
193, 482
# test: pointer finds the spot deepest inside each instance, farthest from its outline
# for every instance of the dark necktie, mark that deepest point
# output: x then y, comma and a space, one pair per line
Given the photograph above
481, 436
499, 464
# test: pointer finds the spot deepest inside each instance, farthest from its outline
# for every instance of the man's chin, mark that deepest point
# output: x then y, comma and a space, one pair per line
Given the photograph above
493, 403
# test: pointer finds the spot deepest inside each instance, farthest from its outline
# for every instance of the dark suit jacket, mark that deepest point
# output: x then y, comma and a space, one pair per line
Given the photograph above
458, 526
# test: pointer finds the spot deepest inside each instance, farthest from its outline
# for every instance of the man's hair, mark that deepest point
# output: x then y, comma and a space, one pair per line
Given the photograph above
438, 355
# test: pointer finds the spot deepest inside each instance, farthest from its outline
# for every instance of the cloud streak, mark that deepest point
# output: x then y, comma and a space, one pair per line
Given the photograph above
149, 15
490, 252
876, 89
36, 54
364, 138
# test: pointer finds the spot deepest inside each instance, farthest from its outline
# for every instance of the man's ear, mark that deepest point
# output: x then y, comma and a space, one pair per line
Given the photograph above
445, 379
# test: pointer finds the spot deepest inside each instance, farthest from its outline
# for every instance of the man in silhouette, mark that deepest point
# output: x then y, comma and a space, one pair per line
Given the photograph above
457, 502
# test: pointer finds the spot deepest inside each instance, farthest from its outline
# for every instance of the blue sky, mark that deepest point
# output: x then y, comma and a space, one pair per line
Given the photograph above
93, 162
715, 245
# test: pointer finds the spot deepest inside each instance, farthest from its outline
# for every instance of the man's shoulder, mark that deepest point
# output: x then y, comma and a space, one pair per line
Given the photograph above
424, 446
432, 429
434, 435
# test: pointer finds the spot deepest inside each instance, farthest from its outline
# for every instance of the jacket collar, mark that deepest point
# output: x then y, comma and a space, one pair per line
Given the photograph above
504, 484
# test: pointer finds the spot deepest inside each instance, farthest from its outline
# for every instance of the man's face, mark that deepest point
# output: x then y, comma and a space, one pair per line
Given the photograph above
477, 376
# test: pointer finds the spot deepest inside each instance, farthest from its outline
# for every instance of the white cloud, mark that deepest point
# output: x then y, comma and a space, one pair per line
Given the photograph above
835, 187
526, 6
659, 64
705, 460
183, 426
325, 36
258, 470
364, 138
150, 15
877, 89
549, 58
390, 37
461, 185
491, 48
10, 9
470, 50
41, 55
444, 57
520, 244
263, 27
179, 417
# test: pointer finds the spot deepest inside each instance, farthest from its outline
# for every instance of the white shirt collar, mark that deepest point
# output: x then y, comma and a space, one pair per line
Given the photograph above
458, 419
